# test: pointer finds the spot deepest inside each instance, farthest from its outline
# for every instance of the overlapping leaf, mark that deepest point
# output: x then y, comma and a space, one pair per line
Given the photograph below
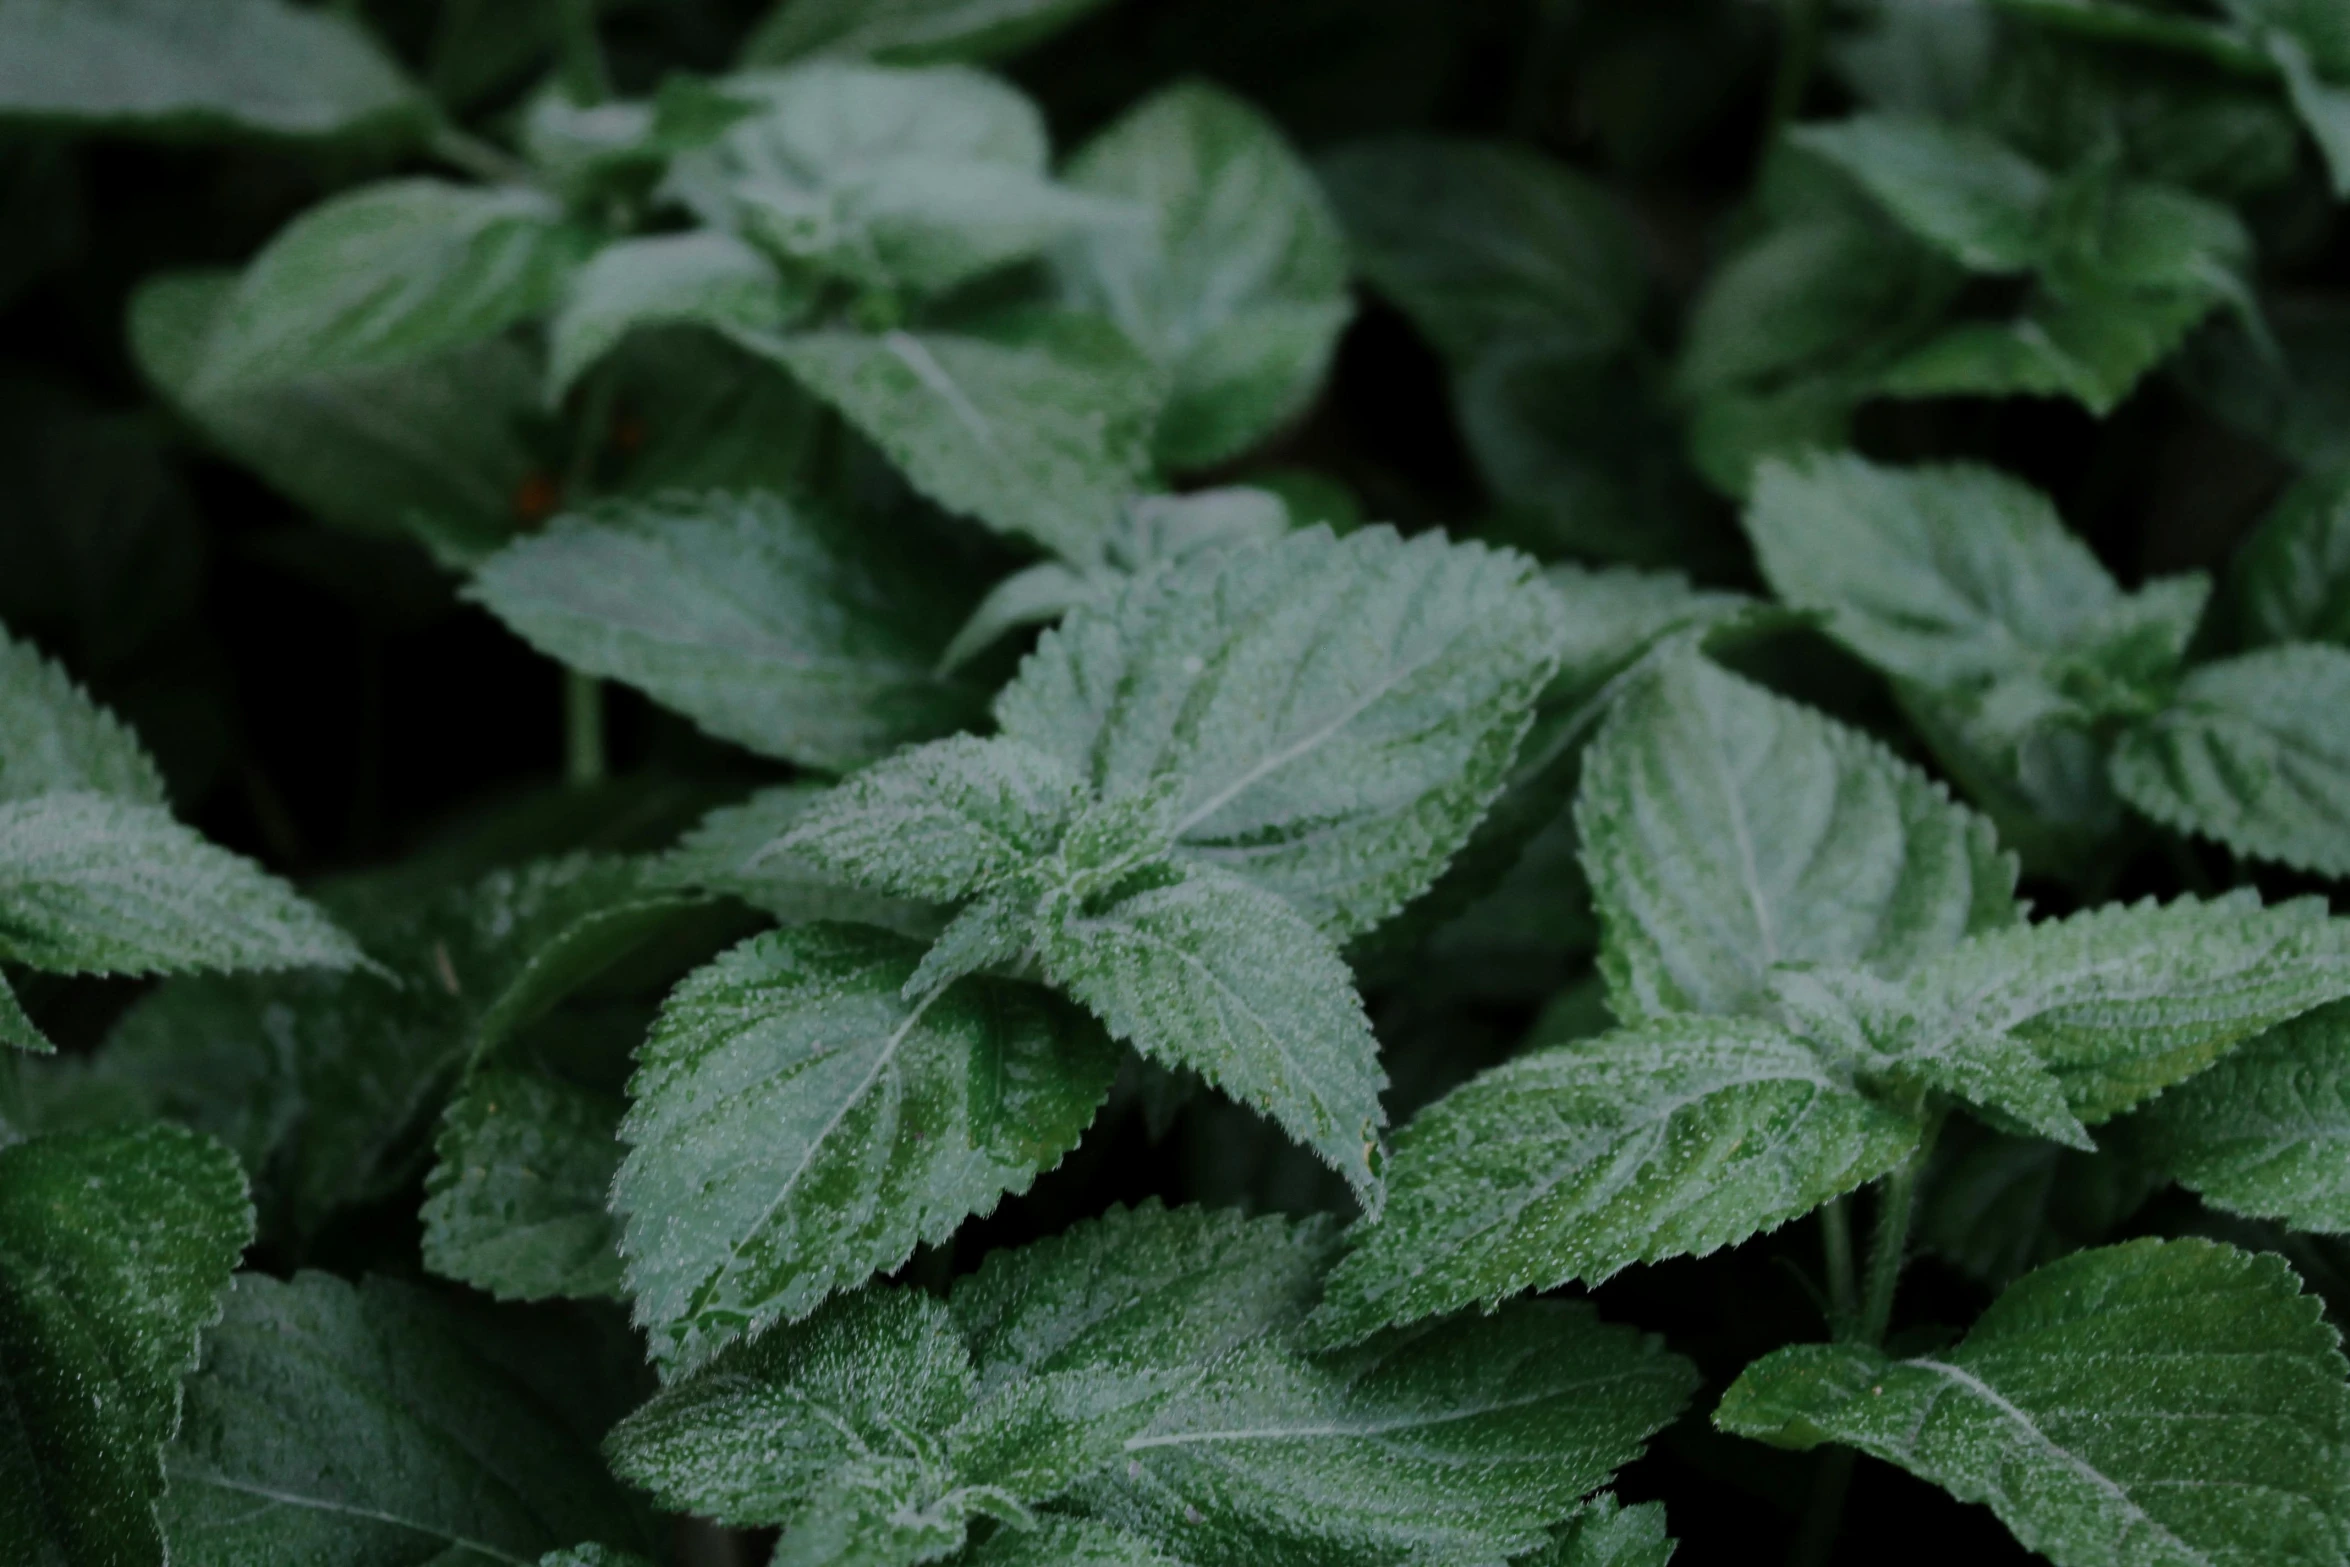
2290, 581
706, 277
910, 32
54, 738
516, 1204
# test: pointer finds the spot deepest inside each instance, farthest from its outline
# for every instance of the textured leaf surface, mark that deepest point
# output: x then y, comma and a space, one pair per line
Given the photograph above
516, 1205
1463, 1440
1726, 830
2290, 581
387, 275
704, 278
1961, 190
53, 738
1037, 423
2253, 753
114, 1248
2160, 1402
92, 885
734, 851
180, 66
1237, 285
769, 622
1067, 1542
909, 32
1608, 1534
1672, 1139
1339, 712
798, 1125
2267, 1130
1216, 974
367, 1423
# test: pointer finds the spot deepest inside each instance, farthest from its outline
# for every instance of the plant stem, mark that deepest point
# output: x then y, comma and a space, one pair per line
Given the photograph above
461, 149
585, 76
1836, 1241
1801, 27
1896, 1202
583, 729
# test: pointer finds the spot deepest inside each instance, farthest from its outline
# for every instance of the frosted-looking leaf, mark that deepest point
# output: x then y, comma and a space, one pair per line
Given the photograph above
1339, 712
733, 851
705, 277
1462, 1440
1961, 190
515, 1205
1727, 830
1672, 1139
2290, 581
1608, 1534
1067, 1542
53, 738
798, 1125
2167, 1402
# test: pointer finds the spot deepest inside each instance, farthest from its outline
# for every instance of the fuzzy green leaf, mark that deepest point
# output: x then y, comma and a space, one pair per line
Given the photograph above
704, 278
733, 852
388, 275
1338, 712
92, 885
2121, 1002
1727, 830
1067, 1542
196, 67
1608, 1534
2173, 1402
1672, 1139
1237, 285
2253, 753
592, 1556
53, 738
1459, 1441
2264, 1132
2290, 581
16, 1029
516, 1204
909, 32
798, 1125
1963, 191
370, 1423
1036, 422
114, 1248
770, 623
1201, 969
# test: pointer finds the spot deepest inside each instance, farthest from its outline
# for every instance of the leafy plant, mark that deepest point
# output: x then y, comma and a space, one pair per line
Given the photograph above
1298, 745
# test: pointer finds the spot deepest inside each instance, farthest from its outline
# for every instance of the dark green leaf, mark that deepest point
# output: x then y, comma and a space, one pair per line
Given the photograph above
53, 738
516, 1204
2290, 581
909, 32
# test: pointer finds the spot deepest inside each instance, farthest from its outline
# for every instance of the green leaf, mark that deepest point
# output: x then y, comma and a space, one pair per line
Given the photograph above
1036, 422
388, 275
798, 1125
920, 180
942, 821
437, 446
1237, 285
2309, 44
1727, 830
114, 1248
705, 278
2157, 1401
373, 1423
2093, 345
592, 1556
92, 885
2252, 753
1485, 245
1458, 1441
1999, 1206
197, 67
2290, 581
733, 852
1961, 190
16, 1029
515, 1206
1608, 1534
1338, 713
2262, 1133
2124, 1001
1066, 1542
771, 623
53, 738
909, 32
1672, 1139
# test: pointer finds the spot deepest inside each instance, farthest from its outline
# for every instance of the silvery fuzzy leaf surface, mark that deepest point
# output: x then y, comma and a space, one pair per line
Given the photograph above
705, 277
732, 851
54, 739
1608, 1534
516, 1203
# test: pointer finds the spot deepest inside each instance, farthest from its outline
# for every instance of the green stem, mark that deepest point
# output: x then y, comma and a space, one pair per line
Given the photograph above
583, 729
1836, 1241
585, 76
1823, 1515
461, 149
1804, 24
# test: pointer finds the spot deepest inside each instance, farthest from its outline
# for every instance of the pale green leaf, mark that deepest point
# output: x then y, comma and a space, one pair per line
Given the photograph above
2290, 581
193, 67
53, 738
373, 1423
93, 885
114, 1248
1459, 1441
909, 32
1067, 1542
1338, 712
516, 1205
798, 1125
1237, 284
388, 275
1608, 1534
1035, 596
942, 821
2091, 344
1487, 246
771, 623
2123, 1001
2265, 1131
16, 1029
1036, 422
1727, 830
2253, 752
2160, 1402
1961, 190
1673, 1139
703, 278
733, 852
1201, 969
